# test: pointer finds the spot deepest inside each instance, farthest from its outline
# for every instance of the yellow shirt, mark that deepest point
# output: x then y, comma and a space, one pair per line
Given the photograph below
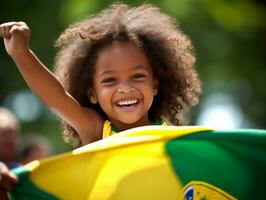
108, 130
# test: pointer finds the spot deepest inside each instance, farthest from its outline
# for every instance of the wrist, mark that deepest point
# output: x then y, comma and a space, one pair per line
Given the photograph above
20, 53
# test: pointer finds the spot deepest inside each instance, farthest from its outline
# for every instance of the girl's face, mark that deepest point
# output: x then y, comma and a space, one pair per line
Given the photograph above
123, 85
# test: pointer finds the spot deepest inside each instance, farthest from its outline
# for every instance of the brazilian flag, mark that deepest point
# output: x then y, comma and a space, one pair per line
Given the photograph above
153, 163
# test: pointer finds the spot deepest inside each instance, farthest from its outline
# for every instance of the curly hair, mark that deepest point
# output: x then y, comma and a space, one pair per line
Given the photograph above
168, 50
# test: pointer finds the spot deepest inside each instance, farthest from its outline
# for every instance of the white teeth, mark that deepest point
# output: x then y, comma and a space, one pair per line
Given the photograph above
129, 102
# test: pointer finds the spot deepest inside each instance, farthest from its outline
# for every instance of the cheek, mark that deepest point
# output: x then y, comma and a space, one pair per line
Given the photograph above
104, 95
147, 88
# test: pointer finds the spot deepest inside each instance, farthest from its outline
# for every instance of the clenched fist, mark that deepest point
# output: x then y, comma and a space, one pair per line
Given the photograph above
16, 37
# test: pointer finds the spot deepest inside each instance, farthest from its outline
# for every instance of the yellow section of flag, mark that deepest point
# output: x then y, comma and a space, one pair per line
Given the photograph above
129, 165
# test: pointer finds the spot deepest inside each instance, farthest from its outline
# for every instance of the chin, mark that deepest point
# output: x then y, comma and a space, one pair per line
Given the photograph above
129, 122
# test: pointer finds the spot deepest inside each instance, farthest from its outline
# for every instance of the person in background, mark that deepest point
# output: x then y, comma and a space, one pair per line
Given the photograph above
34, 147
9, 138
9, 142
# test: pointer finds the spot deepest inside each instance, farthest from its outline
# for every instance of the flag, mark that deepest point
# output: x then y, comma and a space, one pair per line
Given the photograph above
153, 162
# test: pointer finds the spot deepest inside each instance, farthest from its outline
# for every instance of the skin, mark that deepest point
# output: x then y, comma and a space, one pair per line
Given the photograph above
8, 144
87, 122
123, 85
125, 63
123, 76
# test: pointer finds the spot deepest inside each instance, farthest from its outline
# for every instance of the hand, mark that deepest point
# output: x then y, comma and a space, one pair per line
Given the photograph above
16, 37
7, 180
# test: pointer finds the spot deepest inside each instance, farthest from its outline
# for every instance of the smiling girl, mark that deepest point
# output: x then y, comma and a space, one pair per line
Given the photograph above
120, 69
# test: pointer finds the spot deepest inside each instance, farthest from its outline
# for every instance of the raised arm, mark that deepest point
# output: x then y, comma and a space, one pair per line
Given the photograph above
45, 85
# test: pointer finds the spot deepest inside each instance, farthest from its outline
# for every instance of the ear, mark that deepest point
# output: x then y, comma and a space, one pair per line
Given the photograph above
155, 87
91, 95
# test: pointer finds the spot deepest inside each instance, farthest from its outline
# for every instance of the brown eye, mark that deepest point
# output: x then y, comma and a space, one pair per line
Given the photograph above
139, 76
109, 80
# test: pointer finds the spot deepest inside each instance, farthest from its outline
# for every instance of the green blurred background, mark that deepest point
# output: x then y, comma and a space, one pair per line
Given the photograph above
229, 38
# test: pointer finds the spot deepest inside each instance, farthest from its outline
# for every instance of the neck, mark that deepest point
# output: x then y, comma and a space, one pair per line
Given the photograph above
120, 126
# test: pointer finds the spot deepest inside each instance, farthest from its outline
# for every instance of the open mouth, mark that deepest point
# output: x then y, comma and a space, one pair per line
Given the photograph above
128, 105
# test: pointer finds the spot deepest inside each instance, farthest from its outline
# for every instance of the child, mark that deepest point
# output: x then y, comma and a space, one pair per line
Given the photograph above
120, 69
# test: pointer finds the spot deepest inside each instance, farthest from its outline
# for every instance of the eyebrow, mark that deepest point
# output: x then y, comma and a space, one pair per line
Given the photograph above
106, 72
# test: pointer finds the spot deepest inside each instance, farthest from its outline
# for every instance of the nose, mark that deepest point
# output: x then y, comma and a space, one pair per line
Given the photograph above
125, 87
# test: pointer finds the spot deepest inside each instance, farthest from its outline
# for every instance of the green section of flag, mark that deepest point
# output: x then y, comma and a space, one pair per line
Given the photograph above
26, 190
234, 161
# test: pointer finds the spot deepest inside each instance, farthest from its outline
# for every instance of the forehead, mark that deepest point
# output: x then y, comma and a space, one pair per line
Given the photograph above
122, 55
